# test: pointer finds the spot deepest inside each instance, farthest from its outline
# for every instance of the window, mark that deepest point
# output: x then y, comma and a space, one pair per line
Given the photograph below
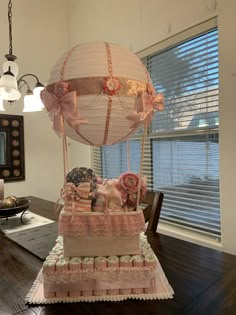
182, 148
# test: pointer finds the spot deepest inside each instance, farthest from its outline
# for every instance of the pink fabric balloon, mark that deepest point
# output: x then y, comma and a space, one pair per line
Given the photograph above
113, 92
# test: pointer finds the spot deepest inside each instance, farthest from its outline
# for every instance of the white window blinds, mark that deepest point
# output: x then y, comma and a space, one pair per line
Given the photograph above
182, 149
184, 138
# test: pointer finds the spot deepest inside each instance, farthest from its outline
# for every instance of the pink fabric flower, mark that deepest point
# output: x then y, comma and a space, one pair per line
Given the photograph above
111, 85
132, 199
128, 184
61, 88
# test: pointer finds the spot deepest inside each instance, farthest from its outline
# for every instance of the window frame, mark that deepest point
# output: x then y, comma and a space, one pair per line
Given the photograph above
158, 48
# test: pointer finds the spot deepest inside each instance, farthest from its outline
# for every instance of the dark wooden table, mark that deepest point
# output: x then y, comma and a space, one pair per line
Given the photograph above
204, 280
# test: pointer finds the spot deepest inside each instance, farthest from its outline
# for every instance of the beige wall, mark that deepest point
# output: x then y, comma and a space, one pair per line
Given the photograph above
135, 24
39, 36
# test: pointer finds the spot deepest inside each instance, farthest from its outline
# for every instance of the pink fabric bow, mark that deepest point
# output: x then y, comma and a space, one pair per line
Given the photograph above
144, 108
62, 107
81, 191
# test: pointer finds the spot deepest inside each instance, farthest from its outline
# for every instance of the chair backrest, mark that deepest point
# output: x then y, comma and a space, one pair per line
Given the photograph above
153, 200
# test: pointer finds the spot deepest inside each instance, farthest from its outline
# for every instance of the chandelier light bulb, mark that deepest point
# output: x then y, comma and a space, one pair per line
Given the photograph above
37, 90
37, 93
31, 103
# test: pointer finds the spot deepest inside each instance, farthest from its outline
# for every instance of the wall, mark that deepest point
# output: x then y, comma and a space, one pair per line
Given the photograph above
138, 24
227, 53
135, 24
39, 38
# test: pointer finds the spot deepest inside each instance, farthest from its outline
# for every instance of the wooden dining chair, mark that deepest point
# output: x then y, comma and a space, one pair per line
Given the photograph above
153, 201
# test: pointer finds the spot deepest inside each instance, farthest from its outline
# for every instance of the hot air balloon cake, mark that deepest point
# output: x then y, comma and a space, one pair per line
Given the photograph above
99, 94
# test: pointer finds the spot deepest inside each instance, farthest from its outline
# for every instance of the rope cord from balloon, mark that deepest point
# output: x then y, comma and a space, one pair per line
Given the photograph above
64, 148
63, 136
128, 154
141, 161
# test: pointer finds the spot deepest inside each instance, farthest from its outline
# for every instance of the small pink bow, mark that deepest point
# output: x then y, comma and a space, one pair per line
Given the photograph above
62, 107
81, 191
144, 108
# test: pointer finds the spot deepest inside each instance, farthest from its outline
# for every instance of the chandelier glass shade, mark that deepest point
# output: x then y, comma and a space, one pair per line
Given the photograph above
8, 84
10, 87
32, 101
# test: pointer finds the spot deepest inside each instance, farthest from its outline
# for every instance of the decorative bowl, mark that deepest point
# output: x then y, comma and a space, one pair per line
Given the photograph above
23, 204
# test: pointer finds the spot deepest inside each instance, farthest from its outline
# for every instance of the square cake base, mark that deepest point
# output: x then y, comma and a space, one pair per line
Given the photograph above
77, 280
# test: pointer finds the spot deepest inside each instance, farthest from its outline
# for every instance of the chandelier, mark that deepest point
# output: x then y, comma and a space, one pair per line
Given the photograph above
11, 87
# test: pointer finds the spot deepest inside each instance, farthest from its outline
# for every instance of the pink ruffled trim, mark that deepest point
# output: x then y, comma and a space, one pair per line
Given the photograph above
100, 224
